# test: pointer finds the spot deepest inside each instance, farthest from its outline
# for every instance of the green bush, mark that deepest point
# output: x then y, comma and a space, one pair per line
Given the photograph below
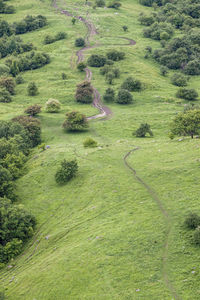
14, 164
96, 61
115, 55
6, 183
192, 221
89, 143
84, 92
143, 130
64, 76
80, 42
49, 39
100, 3
187, 94
8, 83
114, 4
109, 95
81, 66
4, 70
52, 106
164, 70
131, 84
19, 79
32, 89
124, 97
33, 110
110, 77
75, 121
5, 96
67, 171
179, 79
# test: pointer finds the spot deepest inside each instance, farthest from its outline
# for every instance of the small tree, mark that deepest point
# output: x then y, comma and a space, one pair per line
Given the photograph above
75, 121
110, 77
80, 42
19, 79
131, 84
115, 55
125, 28
96, 61
73, 21
192, 221
89, 143
67, 171
124, 97
52, 106
143, 130
186, 123
81, 66
64, 76
8, 83
187, 94
5, 96
33, 110
32, 89
164, 70
84, 92
179, 79
109, 95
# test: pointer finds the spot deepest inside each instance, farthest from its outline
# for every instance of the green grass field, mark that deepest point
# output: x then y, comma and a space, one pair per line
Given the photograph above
103, 236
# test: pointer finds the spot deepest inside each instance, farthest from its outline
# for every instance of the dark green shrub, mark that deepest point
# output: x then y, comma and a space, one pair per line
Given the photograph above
67, 171
60, 36
29, 23
105, 69
75, 121
115, 55
116, 72
125, 28
164, 70
52, 106
80, 42
192, 68
32, 89
4, 70
84, 92
6, 183
109, 95
81, 66
192, 221
114, 4
33, 110
100, 3
179, 79
124, 97
109, 77
19, 79
187, 94
5, 96
89, 143
32, 127
49, 39
14, 164
96, 61
131, 84
64, 76
143, 130
196, 236
8, 83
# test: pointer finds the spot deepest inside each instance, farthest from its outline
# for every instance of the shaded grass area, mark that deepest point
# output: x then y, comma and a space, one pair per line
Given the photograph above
104, 233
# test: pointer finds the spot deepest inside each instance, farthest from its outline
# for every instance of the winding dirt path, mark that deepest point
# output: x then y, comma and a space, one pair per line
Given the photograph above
168, 223
104, 111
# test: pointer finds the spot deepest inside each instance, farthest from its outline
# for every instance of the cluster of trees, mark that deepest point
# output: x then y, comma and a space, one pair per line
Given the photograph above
10, 45
29, 23
30, 61
5, 8
181, 52
49, 39
100, 60
113, 4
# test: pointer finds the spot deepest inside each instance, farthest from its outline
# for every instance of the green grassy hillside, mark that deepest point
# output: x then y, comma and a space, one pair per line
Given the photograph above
104, 234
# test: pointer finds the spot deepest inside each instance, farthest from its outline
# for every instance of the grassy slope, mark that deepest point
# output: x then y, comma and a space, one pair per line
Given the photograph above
106, 233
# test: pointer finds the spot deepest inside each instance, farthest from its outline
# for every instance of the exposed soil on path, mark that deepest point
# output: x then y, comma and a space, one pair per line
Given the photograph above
168, 223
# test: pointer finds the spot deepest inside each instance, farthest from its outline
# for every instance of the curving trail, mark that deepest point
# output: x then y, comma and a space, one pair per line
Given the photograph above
167, 218
104, 111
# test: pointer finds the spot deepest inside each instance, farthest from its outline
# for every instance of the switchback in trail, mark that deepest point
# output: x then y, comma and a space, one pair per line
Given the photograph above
104, 111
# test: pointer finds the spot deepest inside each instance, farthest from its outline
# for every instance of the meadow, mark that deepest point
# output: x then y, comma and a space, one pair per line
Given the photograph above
103, 235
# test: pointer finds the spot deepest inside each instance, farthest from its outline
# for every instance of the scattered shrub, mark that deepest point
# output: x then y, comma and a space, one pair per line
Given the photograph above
84, 92
81, 66
52, 106
5, 96
80, 42
89, 143
96, 61
187, 94
49, 39
192, 221
64, 76
196, 236
32, 89
109, 95
124, 97
29, 23
8, 83
19, 79
143, 130
75, 121
131, 84
100, 3
109, 77
33, 110
125, 28
179, 79
4, 70
115, 55
114, 4
67, 171
164, 70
